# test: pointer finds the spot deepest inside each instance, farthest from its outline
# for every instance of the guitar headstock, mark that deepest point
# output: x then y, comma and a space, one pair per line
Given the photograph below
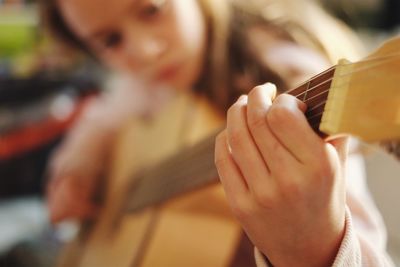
364, 98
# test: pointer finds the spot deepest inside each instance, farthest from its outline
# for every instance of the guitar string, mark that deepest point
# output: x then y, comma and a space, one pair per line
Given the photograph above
324, 91
345, 82
320, 104
361, 68
163, 188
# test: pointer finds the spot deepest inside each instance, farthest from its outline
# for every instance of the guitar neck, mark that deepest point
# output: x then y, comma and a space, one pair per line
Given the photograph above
191, 168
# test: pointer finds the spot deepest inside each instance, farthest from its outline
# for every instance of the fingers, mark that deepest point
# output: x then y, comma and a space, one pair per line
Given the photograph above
229, 173
275, 155
287, 122
271, 139
67, 201
244, 151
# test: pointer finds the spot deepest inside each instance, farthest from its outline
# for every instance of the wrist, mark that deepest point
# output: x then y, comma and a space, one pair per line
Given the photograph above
317, 251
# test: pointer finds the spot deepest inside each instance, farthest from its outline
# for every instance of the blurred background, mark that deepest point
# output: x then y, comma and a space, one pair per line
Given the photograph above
43, 87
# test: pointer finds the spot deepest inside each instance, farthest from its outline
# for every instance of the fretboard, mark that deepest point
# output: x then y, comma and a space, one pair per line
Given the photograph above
314, 93
194, 167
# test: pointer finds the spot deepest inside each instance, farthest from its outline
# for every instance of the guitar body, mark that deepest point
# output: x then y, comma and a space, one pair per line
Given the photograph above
194, 229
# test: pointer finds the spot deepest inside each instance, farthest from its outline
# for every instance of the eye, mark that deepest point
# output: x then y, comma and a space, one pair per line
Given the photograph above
112, 40
152, 8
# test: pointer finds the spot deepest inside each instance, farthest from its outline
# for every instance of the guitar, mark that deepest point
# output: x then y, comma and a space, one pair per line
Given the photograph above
361, 98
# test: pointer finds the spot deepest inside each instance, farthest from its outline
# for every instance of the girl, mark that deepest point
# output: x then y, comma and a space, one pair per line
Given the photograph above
214, 49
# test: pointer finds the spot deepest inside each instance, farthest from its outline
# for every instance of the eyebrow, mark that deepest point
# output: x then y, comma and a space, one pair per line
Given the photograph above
99, 33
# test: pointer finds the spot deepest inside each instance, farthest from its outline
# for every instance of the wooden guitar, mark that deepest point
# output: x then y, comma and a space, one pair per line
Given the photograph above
196, 229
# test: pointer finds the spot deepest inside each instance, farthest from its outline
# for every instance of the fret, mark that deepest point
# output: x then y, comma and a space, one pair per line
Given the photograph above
316, 109
314, 93
320, 88
306, 92
300, 90
312, 84
317, 100
327, 75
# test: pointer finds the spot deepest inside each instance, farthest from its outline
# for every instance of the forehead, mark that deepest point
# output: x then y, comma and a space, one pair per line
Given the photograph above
88, 16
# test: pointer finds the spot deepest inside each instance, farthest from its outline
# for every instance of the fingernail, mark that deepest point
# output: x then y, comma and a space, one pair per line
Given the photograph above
242, 98
271, 88
270, 85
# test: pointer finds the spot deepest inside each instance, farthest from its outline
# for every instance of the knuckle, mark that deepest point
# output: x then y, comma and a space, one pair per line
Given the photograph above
264, 198
241, 207
255, 90
291, 190
220, 162
282, 98
276, 147
237, 138
234, 108
256, 121
279, 115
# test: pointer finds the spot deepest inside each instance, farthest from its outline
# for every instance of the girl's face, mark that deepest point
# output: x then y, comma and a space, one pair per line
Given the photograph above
159, 41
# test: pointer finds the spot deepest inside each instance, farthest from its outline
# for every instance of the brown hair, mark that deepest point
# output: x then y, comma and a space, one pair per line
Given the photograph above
231, 67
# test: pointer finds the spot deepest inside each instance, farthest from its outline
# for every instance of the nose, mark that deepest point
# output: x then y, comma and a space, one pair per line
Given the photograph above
145, 47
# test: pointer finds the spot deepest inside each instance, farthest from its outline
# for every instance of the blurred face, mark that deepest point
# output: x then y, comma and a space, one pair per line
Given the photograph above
159, 41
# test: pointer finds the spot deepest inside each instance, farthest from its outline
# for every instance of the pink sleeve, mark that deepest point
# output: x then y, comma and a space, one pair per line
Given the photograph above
358, 250
364, 243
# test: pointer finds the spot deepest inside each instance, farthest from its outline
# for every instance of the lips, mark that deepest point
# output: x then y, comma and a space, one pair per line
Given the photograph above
168, 73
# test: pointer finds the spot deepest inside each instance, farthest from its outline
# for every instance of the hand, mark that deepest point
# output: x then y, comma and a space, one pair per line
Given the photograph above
75, 172
78, 165
283, 182
70, 198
